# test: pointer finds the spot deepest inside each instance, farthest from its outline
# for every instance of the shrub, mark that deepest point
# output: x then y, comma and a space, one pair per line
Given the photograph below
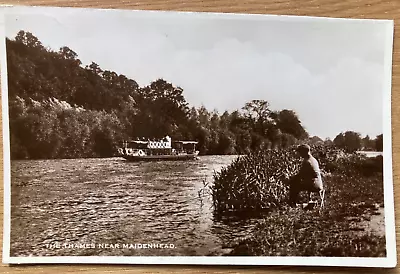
253, 182
335, 232
257, 181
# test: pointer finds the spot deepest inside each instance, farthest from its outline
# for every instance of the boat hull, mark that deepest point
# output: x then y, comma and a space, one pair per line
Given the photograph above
136, 158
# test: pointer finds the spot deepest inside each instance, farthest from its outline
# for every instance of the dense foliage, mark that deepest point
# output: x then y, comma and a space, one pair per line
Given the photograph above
342, 229
258, 181
351, 141
254, 186
60, 108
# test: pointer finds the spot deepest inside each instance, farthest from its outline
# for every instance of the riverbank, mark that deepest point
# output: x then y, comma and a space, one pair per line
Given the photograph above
352, 224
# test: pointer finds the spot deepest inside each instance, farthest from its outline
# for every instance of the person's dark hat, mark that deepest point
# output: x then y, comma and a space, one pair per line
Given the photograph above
304, 148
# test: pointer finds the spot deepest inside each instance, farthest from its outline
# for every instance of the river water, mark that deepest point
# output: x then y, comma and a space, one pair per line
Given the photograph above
110, 207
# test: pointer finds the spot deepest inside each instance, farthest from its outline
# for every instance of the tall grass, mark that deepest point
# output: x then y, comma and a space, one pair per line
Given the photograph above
258, 181
253, 182
254, 186
336, 231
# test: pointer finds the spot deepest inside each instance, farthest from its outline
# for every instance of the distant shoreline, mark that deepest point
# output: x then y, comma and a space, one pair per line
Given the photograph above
369, 154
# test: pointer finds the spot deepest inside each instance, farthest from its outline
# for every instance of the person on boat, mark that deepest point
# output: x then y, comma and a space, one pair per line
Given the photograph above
308, 178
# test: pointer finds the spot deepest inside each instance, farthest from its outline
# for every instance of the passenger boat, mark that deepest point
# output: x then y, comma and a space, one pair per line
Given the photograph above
158, 150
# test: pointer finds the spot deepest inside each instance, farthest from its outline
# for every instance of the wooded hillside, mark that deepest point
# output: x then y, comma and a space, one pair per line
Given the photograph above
60, 108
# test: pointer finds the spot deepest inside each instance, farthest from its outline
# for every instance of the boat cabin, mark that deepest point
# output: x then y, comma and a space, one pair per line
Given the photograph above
185, 146
157, 147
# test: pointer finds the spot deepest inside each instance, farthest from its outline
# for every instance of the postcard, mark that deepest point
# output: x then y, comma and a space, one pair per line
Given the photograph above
155, 137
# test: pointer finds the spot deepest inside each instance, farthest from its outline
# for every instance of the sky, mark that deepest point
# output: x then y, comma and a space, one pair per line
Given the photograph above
330, 72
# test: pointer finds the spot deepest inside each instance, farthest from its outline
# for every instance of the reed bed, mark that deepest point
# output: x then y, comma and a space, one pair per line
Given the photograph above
255, 184
342, 229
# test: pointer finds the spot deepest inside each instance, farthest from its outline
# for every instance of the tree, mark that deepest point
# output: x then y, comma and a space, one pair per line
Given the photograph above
243, 141
328, 142
258, 114
68, 54
379, 142
227, 143
238, 122
164, 109
95, 68
350, 141
288, 122
287, 140
368, 143
315, 140
274, 135
28, 39
257, 110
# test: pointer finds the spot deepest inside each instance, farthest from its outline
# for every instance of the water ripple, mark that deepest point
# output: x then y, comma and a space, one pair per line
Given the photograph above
97, 201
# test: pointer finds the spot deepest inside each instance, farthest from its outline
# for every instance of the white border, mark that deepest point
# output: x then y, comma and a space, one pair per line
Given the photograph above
387, 149
6, 146
389, 262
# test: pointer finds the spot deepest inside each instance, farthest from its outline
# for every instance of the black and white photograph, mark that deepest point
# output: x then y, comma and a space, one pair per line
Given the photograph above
162, 137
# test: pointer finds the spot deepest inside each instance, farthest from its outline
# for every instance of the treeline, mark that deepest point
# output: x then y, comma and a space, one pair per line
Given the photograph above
352, 141
59, 108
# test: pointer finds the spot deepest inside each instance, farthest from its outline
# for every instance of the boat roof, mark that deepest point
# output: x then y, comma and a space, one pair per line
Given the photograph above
186, 142
138, 142
146, 142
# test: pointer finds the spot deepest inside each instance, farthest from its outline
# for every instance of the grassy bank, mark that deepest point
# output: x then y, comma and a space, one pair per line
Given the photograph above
354, 195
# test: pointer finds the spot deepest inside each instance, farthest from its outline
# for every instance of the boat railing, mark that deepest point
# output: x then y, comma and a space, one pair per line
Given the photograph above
132, 151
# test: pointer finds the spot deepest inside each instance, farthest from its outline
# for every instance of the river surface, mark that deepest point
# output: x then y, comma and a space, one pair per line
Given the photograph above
112, 207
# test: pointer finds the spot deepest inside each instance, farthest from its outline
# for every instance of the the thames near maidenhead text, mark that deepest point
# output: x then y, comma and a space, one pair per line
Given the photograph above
85, 207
